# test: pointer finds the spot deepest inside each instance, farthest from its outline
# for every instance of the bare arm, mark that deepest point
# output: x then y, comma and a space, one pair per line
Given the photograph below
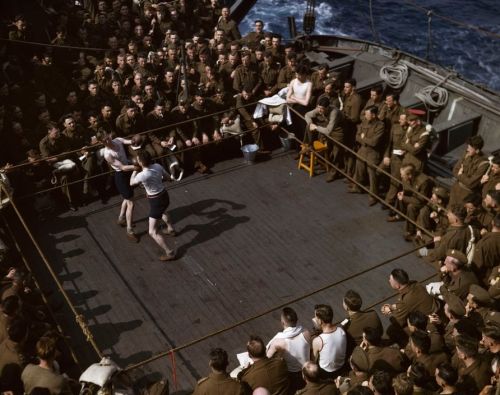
133, 179
276, 346
317, 345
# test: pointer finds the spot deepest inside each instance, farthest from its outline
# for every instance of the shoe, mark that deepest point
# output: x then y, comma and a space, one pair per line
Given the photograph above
354, 190
167, 232
181, 174
72, 207
168, 257
122, 222
132, 237
372, 202
393, 218
330, 177
408, 236
263, 152
418, 241
202, 169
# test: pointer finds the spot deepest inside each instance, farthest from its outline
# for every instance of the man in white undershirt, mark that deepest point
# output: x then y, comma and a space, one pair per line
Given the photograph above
293, 344
151, 177
329, 348
115, 155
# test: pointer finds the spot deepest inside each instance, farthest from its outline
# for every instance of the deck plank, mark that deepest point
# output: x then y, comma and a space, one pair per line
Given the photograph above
250, 238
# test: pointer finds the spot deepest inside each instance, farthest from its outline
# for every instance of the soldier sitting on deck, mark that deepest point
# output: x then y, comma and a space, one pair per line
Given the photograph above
416, 186
469, 171
270, 373
218, 381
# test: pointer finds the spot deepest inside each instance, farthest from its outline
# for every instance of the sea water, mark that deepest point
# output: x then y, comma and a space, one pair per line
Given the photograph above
472, 54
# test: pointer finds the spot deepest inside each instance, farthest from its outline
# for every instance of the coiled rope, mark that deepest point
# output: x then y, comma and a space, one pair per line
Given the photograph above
394, 75
433, 97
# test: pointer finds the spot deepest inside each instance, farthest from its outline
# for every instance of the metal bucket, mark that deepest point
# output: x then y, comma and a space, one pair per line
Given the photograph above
250, 152
286, 141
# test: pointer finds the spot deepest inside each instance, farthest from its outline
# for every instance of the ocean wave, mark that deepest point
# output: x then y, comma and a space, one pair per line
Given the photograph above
470, 53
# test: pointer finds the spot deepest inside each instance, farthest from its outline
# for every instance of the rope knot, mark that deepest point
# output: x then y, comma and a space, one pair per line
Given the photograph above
80, 320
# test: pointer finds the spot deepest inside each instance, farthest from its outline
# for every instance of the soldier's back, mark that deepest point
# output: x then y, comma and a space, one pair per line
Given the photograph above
218, 384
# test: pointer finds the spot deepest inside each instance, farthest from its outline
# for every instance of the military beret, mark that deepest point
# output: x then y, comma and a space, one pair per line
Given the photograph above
333, 75
413, 114
468, 328
455, 304
496, 160
360, 359
492, 329
441, 192
459, 255
480, 294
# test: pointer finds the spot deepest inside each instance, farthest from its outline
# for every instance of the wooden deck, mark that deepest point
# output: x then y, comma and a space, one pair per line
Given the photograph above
250, 237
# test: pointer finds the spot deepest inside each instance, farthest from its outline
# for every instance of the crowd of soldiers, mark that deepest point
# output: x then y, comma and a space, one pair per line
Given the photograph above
177, 78
446, 345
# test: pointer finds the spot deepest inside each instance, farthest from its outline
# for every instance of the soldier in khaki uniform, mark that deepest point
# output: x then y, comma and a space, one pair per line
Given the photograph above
218, 381
369, 136
228, 25
247, 75
394, 154
411, 202
351, 109
391, 110
318, 79
420, 343
270, 373
419, 321
469, 171
492, 177
374, 100
389, 359
457, 236
457, 278
412, 297
454, 310
433, 215
314, 385
415, 143
269, 75
478, 305
253, 39
326, 120
288, 72
357, 320
474, 372
487, 251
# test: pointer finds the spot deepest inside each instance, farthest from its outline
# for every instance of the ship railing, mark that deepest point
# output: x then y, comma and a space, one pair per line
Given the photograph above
13, 168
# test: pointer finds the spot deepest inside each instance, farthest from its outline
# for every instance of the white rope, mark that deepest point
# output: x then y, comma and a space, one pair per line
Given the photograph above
433, 97
394, 75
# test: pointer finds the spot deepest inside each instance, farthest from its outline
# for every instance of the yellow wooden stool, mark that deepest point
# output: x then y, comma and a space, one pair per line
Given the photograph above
317, 148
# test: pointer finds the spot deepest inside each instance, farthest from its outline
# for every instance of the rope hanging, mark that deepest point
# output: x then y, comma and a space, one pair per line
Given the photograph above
375, 34
429, 35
